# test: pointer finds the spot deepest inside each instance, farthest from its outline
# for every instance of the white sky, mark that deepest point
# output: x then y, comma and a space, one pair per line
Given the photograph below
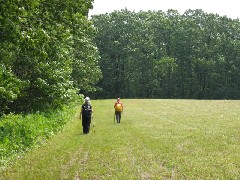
230, 8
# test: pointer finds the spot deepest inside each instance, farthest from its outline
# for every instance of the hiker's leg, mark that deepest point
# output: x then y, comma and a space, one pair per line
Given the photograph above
115, 116
120, 113
84, 125
118, 117
85, 129
88, 124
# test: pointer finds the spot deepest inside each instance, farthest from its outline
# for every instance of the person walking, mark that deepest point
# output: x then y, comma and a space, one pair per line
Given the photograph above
86, 115
118, 106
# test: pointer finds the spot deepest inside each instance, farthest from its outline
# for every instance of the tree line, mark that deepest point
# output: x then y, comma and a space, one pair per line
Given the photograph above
50, 52
158, 54
47, 54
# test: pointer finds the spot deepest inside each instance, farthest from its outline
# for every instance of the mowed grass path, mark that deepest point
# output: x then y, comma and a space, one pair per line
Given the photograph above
157, 139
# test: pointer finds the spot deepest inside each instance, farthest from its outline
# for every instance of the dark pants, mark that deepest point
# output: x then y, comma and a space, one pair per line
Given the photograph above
86, 121
118, 116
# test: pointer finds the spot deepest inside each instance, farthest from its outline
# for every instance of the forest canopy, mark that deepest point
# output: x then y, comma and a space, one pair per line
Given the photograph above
50, 51
157, 54
47, 54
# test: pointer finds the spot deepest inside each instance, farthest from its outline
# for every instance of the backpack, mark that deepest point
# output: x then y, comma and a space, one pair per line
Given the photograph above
87, 110
118, 107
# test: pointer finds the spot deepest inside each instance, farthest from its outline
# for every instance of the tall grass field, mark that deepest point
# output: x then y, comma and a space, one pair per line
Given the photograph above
156, 139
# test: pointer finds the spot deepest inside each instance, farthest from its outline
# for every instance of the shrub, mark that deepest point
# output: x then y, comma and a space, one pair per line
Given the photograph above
18, 133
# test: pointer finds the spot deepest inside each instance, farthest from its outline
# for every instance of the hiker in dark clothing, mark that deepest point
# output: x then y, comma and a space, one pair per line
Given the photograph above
86, 115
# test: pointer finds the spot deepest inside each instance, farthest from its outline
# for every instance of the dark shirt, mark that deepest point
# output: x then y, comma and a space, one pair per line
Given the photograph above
86, 110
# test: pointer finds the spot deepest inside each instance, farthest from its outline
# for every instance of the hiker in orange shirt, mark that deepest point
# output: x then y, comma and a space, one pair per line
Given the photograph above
118, 106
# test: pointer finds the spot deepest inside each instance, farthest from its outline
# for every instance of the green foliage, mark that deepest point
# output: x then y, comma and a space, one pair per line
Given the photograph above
135, 49
86, 56
46, 54
19, 133
10, 88
165, 73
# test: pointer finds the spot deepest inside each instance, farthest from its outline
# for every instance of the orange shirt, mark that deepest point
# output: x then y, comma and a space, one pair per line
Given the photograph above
118, 109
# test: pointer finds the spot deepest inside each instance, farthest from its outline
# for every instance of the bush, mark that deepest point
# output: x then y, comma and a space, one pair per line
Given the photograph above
18, 133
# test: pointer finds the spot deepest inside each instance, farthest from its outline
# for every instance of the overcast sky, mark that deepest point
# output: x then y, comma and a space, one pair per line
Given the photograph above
230, 8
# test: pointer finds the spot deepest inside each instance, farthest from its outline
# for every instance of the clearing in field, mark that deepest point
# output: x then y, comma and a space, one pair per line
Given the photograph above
156, 139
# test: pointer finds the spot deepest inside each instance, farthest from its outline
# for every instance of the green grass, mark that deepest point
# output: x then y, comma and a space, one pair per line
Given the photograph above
157, 139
